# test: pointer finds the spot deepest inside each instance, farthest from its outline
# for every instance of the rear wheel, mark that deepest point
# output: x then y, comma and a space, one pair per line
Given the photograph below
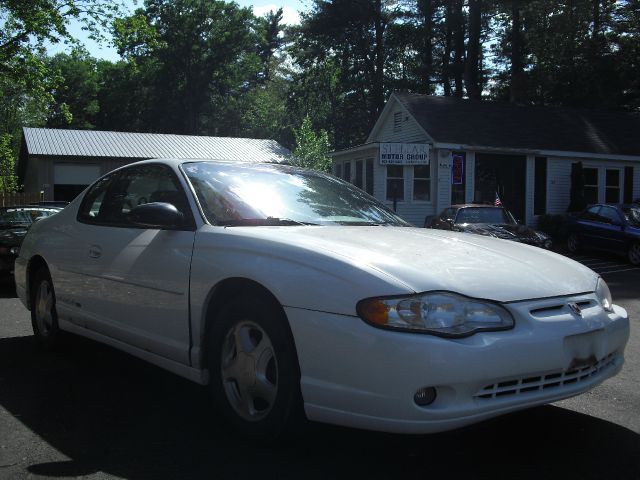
44, 318
254, 373
573, 245
634, 254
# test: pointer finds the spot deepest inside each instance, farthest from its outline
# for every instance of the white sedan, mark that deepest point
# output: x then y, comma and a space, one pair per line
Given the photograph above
291, 293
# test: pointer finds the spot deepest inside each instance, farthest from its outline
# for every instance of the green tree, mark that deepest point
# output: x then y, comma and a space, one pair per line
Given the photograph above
75, 102
8, 177
204, 55
312, 150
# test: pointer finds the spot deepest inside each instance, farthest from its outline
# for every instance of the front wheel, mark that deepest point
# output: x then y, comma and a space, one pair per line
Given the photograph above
253, 366
44, 318
573, 245
634, 254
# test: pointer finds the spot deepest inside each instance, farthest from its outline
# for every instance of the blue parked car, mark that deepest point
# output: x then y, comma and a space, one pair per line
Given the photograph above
615, 228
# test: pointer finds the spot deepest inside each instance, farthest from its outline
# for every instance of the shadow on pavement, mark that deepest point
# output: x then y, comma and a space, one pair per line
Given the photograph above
7, 288
109, 412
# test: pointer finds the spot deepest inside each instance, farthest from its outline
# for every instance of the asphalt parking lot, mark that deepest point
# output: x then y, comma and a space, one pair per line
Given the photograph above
93, 412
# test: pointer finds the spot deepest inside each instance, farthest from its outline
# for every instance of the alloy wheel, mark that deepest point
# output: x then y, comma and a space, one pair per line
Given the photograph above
44, 308
572, 243
249, 370
634, 254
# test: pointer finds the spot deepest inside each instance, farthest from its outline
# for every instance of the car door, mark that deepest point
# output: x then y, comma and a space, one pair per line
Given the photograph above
140, 276
588, 226
611, 232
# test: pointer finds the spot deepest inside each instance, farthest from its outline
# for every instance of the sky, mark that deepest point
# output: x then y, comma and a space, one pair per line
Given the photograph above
291, 15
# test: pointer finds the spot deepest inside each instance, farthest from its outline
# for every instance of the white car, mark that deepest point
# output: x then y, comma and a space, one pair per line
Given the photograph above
290, 292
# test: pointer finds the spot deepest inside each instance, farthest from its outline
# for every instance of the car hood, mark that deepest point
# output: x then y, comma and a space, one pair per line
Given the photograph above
424, 259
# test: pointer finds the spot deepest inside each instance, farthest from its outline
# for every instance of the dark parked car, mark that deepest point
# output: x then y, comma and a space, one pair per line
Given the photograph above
615, 228
488, 220
14, 223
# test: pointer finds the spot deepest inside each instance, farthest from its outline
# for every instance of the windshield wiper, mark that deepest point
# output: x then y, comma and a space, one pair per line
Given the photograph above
262, 222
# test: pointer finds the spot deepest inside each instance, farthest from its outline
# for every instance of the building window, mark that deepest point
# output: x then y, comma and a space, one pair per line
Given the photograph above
397, 122
358, 180
395, 182
612, 186
590, 185
540, 187
338, 171
347, 171
422, 183
628, 185
369, 176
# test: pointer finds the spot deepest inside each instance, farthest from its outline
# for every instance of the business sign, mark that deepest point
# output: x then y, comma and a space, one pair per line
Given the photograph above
404, 154
457, 168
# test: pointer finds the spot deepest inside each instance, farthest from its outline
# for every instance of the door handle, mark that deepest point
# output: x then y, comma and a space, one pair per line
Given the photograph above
95, 251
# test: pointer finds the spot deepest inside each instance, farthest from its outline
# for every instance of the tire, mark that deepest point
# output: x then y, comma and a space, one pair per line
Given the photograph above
634, 253
253, 368
44, 318
573, 244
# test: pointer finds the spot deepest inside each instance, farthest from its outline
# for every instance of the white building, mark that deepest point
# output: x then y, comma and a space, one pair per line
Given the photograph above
428, 152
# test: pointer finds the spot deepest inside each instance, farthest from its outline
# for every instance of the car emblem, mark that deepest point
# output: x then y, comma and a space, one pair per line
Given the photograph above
575, 308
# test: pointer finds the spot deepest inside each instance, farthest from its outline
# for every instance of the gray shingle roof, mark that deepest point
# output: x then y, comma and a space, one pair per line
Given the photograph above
502, 125
93, 143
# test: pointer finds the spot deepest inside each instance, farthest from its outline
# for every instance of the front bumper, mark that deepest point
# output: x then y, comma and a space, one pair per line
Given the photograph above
355, 375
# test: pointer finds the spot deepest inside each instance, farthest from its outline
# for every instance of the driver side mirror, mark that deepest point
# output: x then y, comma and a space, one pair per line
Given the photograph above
156, 215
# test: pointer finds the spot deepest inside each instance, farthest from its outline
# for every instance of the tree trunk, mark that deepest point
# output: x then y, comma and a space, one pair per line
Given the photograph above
426, 12
517, 71
458, 61
597, 25
378, 74
446, 57
471, 71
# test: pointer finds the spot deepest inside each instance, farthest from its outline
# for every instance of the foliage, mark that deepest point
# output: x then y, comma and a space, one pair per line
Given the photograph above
210, 67
8, 177
312, 150
75, 103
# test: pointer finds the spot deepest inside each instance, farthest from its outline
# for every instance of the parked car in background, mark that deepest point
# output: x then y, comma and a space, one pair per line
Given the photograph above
14, 223
50, 203
490, 221
289, 292
614, 228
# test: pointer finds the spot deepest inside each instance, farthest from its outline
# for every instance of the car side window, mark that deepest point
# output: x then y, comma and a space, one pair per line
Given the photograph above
131, 187
591, 214
609, 215
93, 200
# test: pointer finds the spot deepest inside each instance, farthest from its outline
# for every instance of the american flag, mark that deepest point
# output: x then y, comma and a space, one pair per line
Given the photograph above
497, 202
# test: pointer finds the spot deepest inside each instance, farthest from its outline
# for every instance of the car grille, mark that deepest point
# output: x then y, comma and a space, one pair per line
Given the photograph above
536, 383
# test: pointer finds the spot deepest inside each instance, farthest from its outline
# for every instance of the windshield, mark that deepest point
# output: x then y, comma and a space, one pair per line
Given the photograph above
250, 194
484, 215
632, 214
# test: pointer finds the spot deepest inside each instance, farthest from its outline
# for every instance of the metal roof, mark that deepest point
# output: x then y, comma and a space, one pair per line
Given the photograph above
95, 143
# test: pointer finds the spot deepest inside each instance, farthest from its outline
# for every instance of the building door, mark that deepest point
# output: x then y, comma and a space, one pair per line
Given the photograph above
71, 179
504, 175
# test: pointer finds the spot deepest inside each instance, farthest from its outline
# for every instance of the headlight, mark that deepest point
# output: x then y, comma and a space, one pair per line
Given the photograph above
604, 295
14, 250
443, 314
